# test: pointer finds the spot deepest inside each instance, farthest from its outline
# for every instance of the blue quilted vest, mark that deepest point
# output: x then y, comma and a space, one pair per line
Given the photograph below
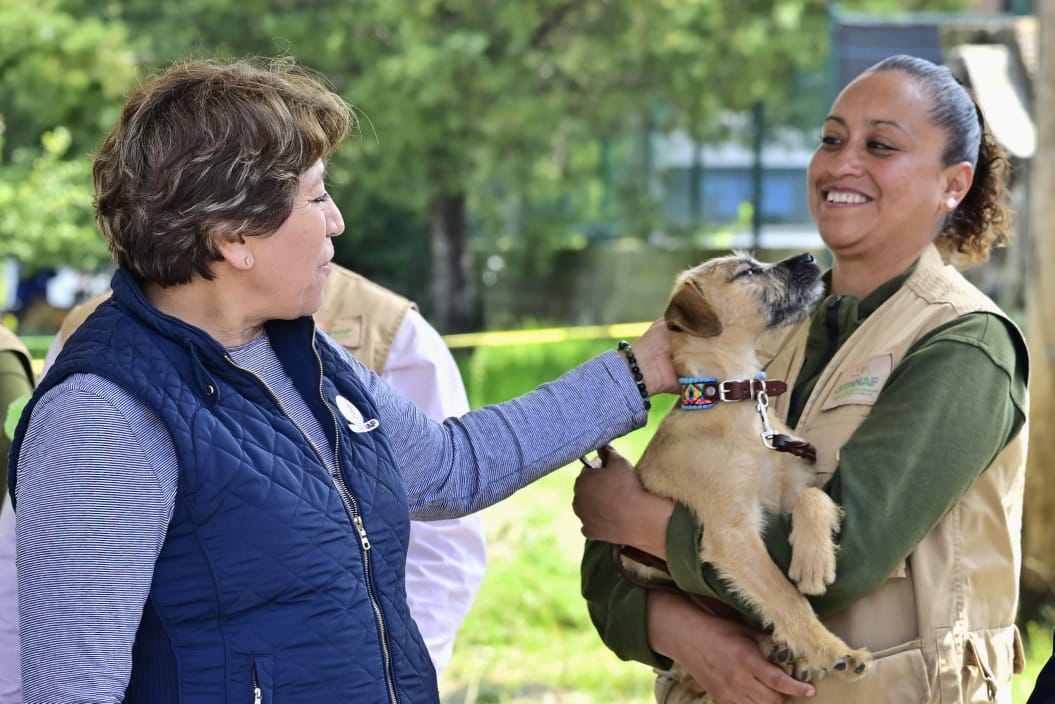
265, 590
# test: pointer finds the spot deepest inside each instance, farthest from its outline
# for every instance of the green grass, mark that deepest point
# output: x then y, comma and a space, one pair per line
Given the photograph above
528, 638
1038, 648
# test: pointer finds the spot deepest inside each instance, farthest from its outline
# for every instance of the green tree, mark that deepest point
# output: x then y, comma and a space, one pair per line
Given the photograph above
46, 208
473, 98
504, 116
62, 80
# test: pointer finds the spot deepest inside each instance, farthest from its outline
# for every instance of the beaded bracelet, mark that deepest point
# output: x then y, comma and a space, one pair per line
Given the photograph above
635, 370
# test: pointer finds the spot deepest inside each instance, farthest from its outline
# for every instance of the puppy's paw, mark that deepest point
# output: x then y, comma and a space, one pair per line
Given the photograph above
853, 665
778, 653
812, 567
812, 667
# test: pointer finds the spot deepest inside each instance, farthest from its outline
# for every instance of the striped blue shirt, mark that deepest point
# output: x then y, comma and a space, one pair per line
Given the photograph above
88, 538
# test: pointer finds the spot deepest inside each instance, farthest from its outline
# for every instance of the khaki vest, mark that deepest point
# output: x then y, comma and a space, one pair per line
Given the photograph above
9, 342
941, 627
359, 314
362, 316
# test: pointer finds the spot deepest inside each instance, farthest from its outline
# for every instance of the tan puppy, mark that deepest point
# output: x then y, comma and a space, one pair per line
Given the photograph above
719, 456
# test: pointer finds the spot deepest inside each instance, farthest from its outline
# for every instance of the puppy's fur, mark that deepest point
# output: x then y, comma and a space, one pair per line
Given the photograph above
713, 460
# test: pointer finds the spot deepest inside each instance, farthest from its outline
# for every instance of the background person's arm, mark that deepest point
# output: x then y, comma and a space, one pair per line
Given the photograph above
14, 384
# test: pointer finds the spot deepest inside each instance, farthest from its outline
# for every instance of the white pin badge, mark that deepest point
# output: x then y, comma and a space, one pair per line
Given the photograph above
356, 423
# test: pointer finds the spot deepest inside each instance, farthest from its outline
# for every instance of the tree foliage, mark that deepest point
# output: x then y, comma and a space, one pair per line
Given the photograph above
47, 200
512, 120
62, 80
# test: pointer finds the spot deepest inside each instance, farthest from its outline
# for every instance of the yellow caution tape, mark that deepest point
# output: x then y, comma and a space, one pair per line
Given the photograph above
544, 335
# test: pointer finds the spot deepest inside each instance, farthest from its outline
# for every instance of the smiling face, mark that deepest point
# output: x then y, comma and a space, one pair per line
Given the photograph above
290, 266
878, 189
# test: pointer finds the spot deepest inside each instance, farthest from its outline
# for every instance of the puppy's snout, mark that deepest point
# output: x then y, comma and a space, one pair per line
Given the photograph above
802, 261
802, 268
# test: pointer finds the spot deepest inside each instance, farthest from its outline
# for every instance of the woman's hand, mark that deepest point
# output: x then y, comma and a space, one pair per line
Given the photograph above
655, 359
723, 656
615, 508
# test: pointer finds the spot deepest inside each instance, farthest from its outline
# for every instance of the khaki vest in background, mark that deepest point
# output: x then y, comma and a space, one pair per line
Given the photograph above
359, 314
9, 342
942, 627
78, 314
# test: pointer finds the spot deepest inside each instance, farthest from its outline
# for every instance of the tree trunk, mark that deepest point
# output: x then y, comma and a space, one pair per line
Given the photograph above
1038, 578
452, 289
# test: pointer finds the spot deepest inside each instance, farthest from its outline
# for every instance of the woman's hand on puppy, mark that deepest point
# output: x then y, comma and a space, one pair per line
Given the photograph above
723, 656
615, 508
654, 357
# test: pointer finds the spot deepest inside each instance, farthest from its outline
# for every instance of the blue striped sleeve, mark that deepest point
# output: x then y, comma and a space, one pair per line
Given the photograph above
468, 463
96, 487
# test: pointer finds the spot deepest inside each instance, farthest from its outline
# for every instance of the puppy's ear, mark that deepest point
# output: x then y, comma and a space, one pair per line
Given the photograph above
688, 311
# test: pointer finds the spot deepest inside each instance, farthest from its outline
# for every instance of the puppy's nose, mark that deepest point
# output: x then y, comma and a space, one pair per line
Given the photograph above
806, 258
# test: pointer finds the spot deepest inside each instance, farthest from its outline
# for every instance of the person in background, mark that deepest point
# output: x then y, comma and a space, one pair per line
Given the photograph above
213, 496
911, 384
446, 559
16, 383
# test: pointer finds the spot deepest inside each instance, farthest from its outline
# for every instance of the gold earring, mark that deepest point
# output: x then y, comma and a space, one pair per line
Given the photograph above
951, 203
249, 260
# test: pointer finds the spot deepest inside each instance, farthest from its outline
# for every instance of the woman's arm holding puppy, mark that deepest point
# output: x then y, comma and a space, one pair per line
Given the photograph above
655, 626
615, 508
723, 656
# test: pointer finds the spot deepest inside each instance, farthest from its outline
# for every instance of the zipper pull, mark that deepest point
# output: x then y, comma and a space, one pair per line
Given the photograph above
363, 537
258, 693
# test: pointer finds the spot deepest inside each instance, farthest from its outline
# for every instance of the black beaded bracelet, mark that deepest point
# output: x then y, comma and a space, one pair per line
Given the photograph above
635, 370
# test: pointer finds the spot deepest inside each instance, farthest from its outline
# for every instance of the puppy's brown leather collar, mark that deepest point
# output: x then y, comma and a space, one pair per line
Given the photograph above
705, 392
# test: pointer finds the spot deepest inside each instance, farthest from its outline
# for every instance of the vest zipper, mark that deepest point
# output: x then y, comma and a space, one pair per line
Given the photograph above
351, 507
258, 694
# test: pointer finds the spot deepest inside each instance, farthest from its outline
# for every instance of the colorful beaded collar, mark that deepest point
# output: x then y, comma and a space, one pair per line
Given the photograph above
699, 392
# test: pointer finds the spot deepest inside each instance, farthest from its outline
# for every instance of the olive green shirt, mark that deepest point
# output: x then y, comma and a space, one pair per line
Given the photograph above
946, 411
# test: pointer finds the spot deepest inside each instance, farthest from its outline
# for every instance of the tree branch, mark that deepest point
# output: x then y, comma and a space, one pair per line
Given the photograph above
552, 22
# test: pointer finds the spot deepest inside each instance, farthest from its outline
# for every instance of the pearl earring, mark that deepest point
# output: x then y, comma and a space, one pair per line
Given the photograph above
249, 260
951, 203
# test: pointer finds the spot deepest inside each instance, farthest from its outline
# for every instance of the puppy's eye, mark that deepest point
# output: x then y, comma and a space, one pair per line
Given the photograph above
749, 271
